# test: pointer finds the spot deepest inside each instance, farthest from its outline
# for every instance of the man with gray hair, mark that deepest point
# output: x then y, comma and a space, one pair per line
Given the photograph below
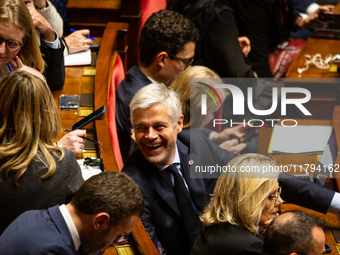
295, 232
160, 166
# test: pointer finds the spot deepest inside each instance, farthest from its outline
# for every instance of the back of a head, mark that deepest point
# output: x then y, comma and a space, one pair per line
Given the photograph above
291, 232
155, 93
28, 110
29, 120
190, 93
165, 31
112, 192
16, 13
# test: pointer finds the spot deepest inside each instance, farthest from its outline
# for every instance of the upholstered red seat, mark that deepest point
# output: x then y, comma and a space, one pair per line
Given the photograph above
118, 75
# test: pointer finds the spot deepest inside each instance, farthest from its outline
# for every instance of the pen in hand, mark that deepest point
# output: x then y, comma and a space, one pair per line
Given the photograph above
88, 36
84, 137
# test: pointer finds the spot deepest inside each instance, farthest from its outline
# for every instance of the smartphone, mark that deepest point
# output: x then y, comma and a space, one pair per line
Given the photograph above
250, 133
89, 118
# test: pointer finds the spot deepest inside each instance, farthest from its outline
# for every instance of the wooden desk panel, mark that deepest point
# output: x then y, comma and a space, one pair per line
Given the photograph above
94, 15
313, 46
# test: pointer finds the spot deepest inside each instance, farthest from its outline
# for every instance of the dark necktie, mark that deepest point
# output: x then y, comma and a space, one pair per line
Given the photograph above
185, 205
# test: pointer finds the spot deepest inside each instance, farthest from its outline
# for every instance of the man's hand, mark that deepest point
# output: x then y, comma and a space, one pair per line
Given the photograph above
77, 41
244, 44
229, 133
73, 141
17, 64
233, 146
318, 19
42, 25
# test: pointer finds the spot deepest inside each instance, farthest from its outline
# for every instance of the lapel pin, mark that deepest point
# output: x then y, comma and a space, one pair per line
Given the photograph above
191, 162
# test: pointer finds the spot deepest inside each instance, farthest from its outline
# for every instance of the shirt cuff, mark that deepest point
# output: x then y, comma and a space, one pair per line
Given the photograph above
55, 44
312, 8
303, 15
211, 135
335, 204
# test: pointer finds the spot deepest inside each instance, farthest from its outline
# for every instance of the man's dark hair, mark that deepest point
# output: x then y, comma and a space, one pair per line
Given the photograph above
165, 31
112, 192
291, 232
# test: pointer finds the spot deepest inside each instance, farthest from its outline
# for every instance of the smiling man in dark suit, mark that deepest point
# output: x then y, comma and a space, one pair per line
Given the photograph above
157, 120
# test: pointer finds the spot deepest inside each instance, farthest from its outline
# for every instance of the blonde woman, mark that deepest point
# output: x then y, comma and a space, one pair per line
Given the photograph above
243, 203
190, 89
34, 173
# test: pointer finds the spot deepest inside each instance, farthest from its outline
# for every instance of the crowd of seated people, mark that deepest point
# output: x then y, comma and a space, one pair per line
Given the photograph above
203, 214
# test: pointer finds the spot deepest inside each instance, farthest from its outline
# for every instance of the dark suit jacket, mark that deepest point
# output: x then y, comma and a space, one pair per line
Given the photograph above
38, 232
55, 68
134, 81
162, 218
225, 238
302, 5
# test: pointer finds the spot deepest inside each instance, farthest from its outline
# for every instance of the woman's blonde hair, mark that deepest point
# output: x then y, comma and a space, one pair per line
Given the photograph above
29, 120
192, 93
16, 13
239, 197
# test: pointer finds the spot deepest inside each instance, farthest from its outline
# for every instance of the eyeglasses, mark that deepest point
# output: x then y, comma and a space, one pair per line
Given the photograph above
121, 239
276, 196
11, 45
186, 62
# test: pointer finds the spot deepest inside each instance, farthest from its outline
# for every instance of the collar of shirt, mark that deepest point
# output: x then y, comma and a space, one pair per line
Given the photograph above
70, 225
152, 80
175, 160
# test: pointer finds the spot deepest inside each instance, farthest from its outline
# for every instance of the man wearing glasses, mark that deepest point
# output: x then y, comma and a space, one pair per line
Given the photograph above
167, 47
102, 213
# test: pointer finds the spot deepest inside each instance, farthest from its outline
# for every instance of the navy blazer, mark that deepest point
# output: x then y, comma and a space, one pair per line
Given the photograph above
302, 5
134, 81
38, 232
162, 219
55, 66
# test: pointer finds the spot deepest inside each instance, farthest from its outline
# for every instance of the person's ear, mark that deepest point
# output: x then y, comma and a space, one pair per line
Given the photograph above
161, 58
101, 221
179, 125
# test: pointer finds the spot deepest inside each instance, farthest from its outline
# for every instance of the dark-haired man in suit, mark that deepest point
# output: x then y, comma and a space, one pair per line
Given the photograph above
167, 47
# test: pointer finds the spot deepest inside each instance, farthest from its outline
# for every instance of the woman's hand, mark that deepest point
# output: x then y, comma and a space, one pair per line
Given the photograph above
265, 225
17, 64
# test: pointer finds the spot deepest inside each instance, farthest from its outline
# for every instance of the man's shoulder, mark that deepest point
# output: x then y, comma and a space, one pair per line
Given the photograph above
134, 78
